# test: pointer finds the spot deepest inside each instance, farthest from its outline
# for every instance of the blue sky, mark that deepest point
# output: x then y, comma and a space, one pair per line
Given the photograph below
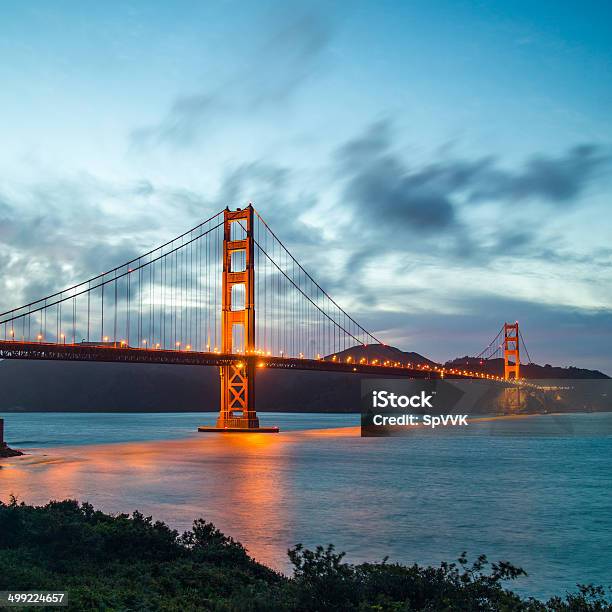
442, 165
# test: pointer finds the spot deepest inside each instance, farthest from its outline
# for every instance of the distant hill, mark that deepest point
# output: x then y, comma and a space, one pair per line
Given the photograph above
383, 353
531, 371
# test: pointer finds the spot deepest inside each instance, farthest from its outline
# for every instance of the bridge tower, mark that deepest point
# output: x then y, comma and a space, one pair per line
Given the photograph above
511, 350
238, 321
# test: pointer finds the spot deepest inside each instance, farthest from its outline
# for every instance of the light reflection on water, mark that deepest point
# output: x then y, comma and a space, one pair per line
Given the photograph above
541, 501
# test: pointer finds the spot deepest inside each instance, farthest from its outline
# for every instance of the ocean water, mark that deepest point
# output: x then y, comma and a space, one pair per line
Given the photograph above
534, 491
46, 429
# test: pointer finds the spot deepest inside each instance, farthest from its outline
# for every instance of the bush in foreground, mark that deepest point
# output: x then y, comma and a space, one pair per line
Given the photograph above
129, 562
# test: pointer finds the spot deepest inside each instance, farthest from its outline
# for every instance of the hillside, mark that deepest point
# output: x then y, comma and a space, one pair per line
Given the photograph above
531, 371
383, 353
131, 562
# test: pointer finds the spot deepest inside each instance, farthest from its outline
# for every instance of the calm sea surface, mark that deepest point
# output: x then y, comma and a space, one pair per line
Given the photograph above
534, 491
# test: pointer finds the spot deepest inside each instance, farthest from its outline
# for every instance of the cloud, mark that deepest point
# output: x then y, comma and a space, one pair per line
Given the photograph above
557, 180
268, 79
61, 231
416, 218
554, 334
394, 200
380, 184
403, 228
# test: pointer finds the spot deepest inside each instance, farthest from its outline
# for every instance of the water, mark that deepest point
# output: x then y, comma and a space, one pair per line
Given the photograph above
535, 491
44, 429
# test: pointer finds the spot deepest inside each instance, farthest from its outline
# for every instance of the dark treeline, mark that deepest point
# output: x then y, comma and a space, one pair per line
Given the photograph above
130, 562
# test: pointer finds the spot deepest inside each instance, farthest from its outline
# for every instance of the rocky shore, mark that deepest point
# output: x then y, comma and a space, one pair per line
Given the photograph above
6, 451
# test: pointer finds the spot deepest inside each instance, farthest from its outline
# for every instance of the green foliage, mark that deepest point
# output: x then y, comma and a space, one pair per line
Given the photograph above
129, 562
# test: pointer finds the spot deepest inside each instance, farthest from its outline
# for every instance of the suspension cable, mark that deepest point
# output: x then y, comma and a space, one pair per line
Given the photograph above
490, 344
291, 280
104, 282
365, 331
524, 345
2, 314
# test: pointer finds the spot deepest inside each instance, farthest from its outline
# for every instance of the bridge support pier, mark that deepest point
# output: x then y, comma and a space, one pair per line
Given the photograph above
237, 396
512, 361
237, 412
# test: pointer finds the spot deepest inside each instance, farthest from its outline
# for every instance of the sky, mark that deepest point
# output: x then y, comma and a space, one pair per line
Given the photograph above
440, 167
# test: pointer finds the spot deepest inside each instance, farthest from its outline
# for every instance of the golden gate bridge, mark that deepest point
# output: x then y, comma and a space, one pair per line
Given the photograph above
193, 301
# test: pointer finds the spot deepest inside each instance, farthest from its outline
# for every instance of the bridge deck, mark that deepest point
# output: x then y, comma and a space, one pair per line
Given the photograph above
121, 354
